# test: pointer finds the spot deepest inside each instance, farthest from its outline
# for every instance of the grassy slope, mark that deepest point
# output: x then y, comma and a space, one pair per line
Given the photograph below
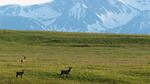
95, 58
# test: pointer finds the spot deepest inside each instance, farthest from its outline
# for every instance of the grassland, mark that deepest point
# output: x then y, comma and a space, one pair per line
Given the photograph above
95, 58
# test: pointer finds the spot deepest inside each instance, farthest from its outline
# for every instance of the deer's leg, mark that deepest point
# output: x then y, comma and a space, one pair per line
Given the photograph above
16, 76
61, 74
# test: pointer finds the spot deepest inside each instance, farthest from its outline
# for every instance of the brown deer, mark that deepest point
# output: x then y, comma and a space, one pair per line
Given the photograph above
23, 59
65, 72
19, 73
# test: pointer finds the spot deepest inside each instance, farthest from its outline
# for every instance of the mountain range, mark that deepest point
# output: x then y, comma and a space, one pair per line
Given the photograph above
101, 16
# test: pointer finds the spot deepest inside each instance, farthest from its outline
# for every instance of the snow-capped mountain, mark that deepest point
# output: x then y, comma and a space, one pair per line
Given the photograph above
94, 15
71, 15
138, 25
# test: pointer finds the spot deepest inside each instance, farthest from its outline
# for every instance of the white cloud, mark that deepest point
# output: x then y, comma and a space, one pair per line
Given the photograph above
23, 2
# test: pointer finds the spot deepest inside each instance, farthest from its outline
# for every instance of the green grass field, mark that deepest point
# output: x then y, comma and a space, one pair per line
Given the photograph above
95, 58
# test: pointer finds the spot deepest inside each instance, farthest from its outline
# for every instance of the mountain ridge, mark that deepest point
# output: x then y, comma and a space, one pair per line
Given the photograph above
76, 15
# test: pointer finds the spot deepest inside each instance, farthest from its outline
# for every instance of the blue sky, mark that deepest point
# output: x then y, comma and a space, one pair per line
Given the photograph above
23, 2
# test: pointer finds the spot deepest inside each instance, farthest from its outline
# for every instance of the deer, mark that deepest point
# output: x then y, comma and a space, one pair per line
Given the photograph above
65, 72
23, 59
19, 73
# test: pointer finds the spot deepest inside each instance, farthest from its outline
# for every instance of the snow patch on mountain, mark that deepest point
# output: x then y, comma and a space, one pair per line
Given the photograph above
139, 4
113, 18
78, 10
138, 25
96, 27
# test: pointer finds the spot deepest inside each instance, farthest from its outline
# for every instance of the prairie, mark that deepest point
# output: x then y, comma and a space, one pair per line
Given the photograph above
94, 58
